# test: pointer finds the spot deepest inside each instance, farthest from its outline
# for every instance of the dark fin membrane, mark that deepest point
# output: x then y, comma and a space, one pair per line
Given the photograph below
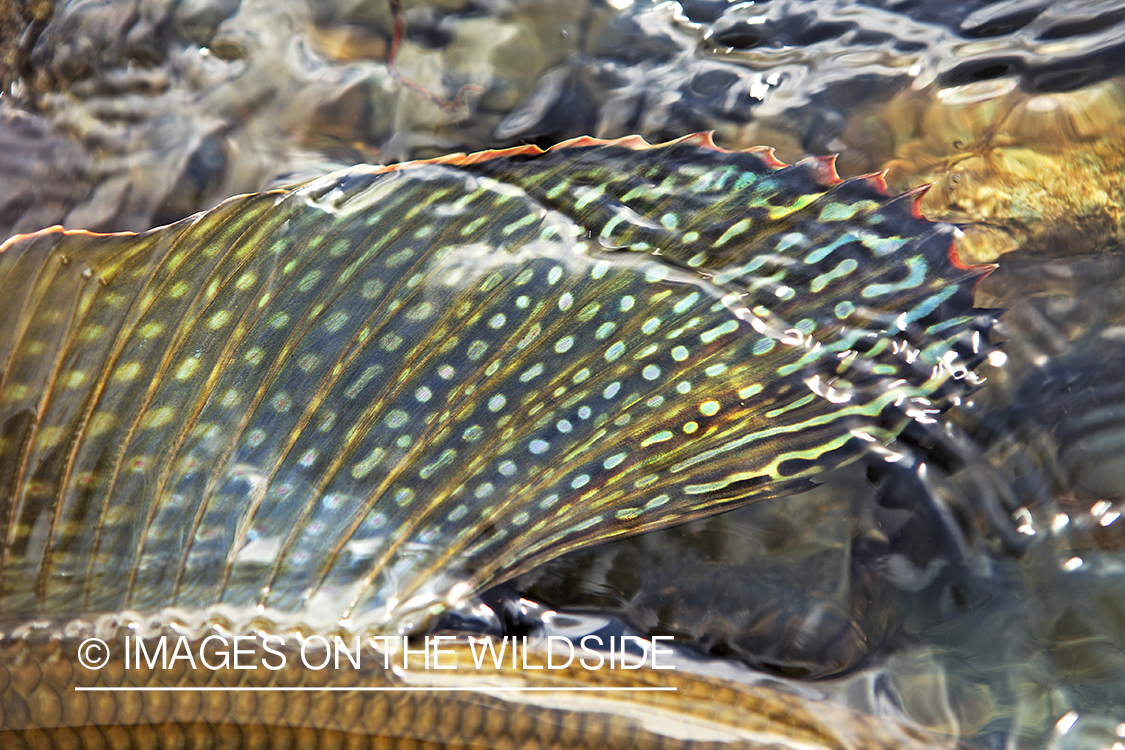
353, 404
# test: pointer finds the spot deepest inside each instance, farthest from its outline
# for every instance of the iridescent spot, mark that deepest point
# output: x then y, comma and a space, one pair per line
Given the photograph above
279, 320
529, 337
308, 362
476, 350
484, 490
127, 371
420, 311
365, 377
580, 481
566, 301
423, 394
614, 351
254, 356
709, 408
151, 330
564, 344
396, 418
611, 390
390, 342
659, 437
308, 458
507, 468
218, 320
498, 320
472, 433
397, 259
532, 373
281, 402
445, 372
613, 460
604, 330
496, 403
102, 423
651, 325
371, 289
538, 447
679, 353
369, 462
93, 333
335, 321
626, 303
684, 304
230, 398
690, 427
187, 368
651, 372
564, 426
708, 336
750, 390
256, 438
309, 280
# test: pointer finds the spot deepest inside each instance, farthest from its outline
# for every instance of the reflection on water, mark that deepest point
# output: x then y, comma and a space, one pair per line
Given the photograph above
1038, 172
978, 578
125, 118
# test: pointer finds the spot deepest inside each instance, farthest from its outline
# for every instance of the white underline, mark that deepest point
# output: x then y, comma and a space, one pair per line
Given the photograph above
476, 688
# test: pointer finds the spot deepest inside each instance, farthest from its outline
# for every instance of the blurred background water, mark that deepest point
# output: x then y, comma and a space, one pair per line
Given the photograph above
973, 575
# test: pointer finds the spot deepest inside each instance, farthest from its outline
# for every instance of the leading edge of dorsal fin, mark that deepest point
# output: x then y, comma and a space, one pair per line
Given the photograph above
823, 165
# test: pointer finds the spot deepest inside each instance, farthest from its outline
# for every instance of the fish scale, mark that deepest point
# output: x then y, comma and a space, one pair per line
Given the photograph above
358, 401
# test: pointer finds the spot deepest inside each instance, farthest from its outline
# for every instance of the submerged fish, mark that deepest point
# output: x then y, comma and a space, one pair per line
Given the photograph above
355, 403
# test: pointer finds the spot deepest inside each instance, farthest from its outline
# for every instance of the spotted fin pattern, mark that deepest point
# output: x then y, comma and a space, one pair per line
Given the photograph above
362, 399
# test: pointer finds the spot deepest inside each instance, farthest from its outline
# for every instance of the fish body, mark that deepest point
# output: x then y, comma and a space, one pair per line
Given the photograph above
356, 402
470, 702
